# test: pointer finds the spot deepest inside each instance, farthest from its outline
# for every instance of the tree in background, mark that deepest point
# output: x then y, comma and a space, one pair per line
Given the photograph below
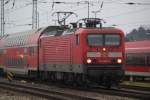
138, 34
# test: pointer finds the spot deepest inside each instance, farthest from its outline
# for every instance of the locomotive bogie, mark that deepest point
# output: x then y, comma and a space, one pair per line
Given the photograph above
62, 68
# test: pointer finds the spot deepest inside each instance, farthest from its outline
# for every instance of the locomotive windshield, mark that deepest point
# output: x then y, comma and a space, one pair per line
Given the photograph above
103, 40
95, 40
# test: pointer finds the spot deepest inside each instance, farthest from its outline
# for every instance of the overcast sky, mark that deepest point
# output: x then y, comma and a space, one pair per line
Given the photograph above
114, 12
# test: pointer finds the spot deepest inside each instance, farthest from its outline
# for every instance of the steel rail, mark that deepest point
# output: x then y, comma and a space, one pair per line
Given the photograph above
136, 87
124, 92
39, 90
42, 92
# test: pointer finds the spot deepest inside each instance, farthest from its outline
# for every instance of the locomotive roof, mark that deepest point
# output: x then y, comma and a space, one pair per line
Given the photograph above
138, 46
103, 30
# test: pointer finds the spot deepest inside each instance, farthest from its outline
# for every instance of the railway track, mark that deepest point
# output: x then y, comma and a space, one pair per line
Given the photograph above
125, 92
41, 92
136, 87
69, 94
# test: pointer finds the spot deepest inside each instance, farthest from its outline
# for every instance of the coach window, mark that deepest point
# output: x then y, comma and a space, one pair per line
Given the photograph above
129, 59
32, 51
25, 60
140, 60
5, 51
136, 60
25, 51
1, 52
19, 61
7, 61
10, 61
148, 59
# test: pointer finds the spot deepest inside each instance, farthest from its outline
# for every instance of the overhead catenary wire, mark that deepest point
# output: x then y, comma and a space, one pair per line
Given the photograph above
2, 18
18, 8
77, 3
133, 23
76, 9
129, 12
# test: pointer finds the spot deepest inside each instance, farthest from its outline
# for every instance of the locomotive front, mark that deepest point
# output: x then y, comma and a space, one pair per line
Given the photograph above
103, 51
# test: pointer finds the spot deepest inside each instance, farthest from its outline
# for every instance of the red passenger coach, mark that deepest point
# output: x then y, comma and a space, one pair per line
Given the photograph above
19, 52
86, 52
138, 58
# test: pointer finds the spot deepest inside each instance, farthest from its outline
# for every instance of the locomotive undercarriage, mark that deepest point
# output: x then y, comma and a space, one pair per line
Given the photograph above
99, 74
68, 78
106, 75
64, 73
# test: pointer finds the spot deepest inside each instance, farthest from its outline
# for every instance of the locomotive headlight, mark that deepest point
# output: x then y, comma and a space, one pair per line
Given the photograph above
104, 49
21, 56
89, 61
119, 61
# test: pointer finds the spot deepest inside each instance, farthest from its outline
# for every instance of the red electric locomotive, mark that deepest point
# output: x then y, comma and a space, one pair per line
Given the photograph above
138, 58
85, 53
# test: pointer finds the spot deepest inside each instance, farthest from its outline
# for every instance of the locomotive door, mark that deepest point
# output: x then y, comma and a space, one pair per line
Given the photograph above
41, 55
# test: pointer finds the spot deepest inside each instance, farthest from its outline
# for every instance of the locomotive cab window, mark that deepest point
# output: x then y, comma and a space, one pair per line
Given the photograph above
103, 40
95, 40
112, 40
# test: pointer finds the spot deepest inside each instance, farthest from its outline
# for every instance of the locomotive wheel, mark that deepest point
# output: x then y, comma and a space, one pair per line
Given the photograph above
70, 79
53, 76
45, 76
107, 82
65, 78
108, 85
101, 80
79, 81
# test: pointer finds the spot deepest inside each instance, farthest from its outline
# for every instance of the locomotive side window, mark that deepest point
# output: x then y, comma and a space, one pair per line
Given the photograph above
95, 40
77, 39
112, 40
